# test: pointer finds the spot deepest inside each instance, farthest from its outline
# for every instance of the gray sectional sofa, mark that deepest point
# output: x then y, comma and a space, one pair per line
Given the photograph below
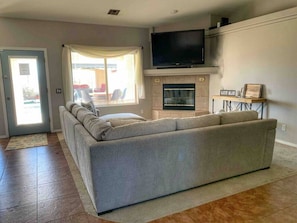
124, 159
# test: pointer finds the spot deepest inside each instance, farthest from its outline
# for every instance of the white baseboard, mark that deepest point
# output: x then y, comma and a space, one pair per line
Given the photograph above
286, 143
3, 136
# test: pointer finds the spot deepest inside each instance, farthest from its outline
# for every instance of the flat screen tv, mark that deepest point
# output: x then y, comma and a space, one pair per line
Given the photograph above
178, 49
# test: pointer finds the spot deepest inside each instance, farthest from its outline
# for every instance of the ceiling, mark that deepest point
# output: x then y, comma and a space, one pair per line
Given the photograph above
134, 13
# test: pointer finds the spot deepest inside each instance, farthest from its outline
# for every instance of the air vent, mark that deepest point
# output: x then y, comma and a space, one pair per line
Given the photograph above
113, 12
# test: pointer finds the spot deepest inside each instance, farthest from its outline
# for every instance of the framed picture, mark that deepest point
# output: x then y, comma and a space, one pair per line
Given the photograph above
224, 92
253, 90
231, 93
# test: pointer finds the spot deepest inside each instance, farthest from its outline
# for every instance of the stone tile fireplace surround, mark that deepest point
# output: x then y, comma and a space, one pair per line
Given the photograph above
201, 95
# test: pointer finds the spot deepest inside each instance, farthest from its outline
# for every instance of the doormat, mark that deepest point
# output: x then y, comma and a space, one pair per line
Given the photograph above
27, 141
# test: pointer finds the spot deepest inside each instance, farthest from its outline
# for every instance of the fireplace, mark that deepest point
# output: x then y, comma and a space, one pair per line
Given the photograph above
179, 96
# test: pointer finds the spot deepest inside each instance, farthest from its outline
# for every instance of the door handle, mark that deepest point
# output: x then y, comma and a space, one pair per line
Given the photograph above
7, 98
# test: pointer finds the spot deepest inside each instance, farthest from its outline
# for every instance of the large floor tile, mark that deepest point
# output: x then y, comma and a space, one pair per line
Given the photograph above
14, 183
19, 214
59, 208
51, 164
81, 218
56, 189
18, 197
287, 215
20, 169
53, 175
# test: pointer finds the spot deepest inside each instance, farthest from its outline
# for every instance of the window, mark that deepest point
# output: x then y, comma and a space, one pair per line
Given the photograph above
105, 81
98, 70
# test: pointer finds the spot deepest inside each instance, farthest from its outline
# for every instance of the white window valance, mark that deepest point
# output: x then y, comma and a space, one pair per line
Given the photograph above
99, 52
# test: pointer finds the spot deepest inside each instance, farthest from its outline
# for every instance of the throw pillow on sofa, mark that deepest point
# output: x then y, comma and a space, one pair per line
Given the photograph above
91, 107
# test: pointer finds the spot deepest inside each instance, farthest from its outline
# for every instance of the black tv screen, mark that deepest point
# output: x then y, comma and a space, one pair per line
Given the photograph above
178, 49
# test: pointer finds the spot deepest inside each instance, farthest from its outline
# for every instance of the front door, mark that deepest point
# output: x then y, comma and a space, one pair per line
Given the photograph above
25, 90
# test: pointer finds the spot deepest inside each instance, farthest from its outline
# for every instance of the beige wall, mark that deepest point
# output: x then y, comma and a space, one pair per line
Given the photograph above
265, 54
51, 35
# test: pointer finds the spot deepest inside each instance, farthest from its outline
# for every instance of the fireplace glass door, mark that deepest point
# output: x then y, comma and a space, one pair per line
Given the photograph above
179, 96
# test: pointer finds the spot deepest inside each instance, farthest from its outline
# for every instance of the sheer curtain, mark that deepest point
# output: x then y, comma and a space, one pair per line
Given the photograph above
99, 52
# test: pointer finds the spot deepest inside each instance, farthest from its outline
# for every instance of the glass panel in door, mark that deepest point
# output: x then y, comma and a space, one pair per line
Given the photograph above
26, 90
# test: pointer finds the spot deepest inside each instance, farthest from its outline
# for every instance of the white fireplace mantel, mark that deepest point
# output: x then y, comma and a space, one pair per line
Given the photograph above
181, 71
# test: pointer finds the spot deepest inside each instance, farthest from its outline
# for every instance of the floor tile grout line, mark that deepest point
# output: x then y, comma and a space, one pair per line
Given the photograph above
37, 208
68, 195
77, 180
4, 169
6, 162
37, 181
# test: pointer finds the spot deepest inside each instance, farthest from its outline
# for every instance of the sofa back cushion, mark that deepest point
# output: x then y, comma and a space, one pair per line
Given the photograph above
75, 109
69, 105
140, 128
197, 122
91, 107
241, 116
95, 126
82, 113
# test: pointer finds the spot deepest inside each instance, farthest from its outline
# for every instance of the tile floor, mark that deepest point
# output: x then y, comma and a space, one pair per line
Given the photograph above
36, 186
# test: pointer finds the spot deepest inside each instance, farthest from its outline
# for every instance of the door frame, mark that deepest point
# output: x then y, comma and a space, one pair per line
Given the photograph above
44, 50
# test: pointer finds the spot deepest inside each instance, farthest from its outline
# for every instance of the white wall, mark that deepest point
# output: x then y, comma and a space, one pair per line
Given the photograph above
199, 22
264, 54
261, 7
51, 35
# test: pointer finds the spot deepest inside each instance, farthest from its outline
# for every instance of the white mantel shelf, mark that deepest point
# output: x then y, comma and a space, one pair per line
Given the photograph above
181, 71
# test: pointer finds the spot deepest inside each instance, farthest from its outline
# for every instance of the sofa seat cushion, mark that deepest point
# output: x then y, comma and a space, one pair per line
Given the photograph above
95, 126
123, 121
121, 116
140, 129
238, 116
197, 122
